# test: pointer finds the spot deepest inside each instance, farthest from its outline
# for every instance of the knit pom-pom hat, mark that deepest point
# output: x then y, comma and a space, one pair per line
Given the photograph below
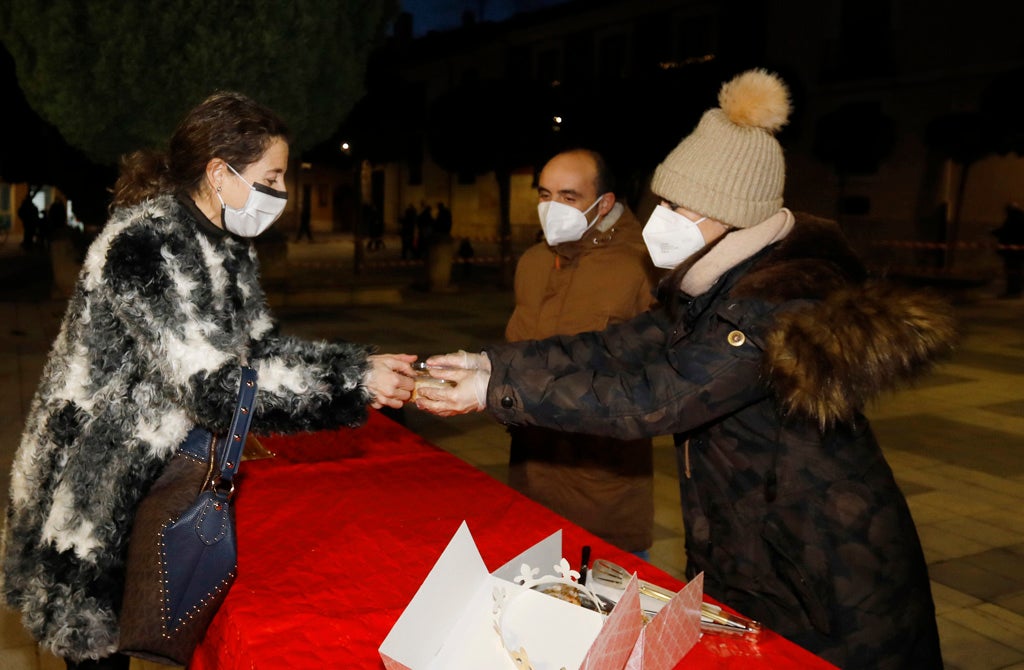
731, 167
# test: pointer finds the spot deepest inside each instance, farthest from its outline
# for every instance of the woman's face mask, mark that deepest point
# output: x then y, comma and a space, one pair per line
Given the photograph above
563, 223
671, 238
261, 209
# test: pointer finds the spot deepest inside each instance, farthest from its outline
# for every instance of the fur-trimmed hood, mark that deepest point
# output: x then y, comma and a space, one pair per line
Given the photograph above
847, 337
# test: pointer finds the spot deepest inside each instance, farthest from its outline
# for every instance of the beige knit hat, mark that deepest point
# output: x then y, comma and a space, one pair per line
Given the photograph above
731, 167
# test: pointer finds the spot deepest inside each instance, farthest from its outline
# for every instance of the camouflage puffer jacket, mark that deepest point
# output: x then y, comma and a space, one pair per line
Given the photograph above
790, 508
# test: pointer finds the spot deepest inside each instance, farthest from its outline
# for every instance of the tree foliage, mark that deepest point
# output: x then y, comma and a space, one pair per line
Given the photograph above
114, 76
485, 125
33, 151
386, 124
635, 122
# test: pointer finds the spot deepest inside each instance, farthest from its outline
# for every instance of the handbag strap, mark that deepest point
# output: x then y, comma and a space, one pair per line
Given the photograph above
234, 439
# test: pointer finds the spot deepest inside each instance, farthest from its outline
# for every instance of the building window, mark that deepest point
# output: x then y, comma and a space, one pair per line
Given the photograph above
549, 65
612, 52
694, 39
517, 63
865, 39
415, 165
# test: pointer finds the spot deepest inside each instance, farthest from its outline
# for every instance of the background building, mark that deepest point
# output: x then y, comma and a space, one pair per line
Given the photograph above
903, 127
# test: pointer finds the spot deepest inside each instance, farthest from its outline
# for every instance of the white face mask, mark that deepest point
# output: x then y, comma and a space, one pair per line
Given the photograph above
261, 209
563, 223
671, 238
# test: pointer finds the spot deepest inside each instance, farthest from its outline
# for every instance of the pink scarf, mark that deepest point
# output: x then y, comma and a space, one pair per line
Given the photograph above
736, 247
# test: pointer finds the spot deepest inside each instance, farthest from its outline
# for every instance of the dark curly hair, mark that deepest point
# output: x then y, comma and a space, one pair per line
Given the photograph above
227, 125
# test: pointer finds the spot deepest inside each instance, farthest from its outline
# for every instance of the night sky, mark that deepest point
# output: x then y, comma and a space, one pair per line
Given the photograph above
446, 14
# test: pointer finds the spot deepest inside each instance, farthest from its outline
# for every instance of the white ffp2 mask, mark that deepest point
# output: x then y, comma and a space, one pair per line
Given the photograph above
671, 238
562, 222
261, 209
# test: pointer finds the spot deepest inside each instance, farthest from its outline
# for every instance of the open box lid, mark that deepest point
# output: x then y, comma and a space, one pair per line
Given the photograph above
464, 618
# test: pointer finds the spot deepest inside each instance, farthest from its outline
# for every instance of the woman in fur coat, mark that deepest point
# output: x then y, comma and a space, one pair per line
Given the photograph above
167, 305
771, 341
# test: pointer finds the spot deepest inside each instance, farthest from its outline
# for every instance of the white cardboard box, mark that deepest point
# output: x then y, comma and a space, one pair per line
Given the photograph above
464, 618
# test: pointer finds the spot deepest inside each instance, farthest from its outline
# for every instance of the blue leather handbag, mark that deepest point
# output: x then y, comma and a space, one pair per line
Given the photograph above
182, 552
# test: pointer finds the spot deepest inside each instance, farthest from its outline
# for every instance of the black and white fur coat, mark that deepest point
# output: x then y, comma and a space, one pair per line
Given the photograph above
165, 306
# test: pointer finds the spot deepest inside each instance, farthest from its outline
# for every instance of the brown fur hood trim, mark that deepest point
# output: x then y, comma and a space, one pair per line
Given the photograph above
841, 339
828, 360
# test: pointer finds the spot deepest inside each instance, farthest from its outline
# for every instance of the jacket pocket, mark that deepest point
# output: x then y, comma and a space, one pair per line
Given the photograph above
810, 590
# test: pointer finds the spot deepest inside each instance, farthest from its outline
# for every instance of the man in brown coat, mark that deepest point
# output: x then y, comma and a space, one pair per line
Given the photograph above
592, 270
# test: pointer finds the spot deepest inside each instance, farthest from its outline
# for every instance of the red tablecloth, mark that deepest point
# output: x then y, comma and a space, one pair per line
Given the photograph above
338, 531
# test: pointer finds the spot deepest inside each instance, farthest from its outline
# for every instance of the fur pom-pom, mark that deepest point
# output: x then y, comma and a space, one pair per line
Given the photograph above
756, 99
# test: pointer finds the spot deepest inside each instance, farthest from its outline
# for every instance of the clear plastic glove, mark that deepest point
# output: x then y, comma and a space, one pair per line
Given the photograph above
461, 360
390, 379
468, 395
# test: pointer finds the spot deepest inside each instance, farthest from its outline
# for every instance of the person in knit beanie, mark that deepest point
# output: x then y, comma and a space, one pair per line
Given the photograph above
769, 341
731, 167
728, 174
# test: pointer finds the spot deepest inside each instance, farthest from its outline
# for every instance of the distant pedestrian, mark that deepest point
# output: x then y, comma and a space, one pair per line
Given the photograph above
466, 253
305, 227
1011, 233
54, 223
443, 221
424, 229
305, 222
374, 221
28, 213
408, 225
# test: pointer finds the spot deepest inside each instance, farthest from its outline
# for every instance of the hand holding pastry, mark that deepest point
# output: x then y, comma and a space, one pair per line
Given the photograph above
390, 379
